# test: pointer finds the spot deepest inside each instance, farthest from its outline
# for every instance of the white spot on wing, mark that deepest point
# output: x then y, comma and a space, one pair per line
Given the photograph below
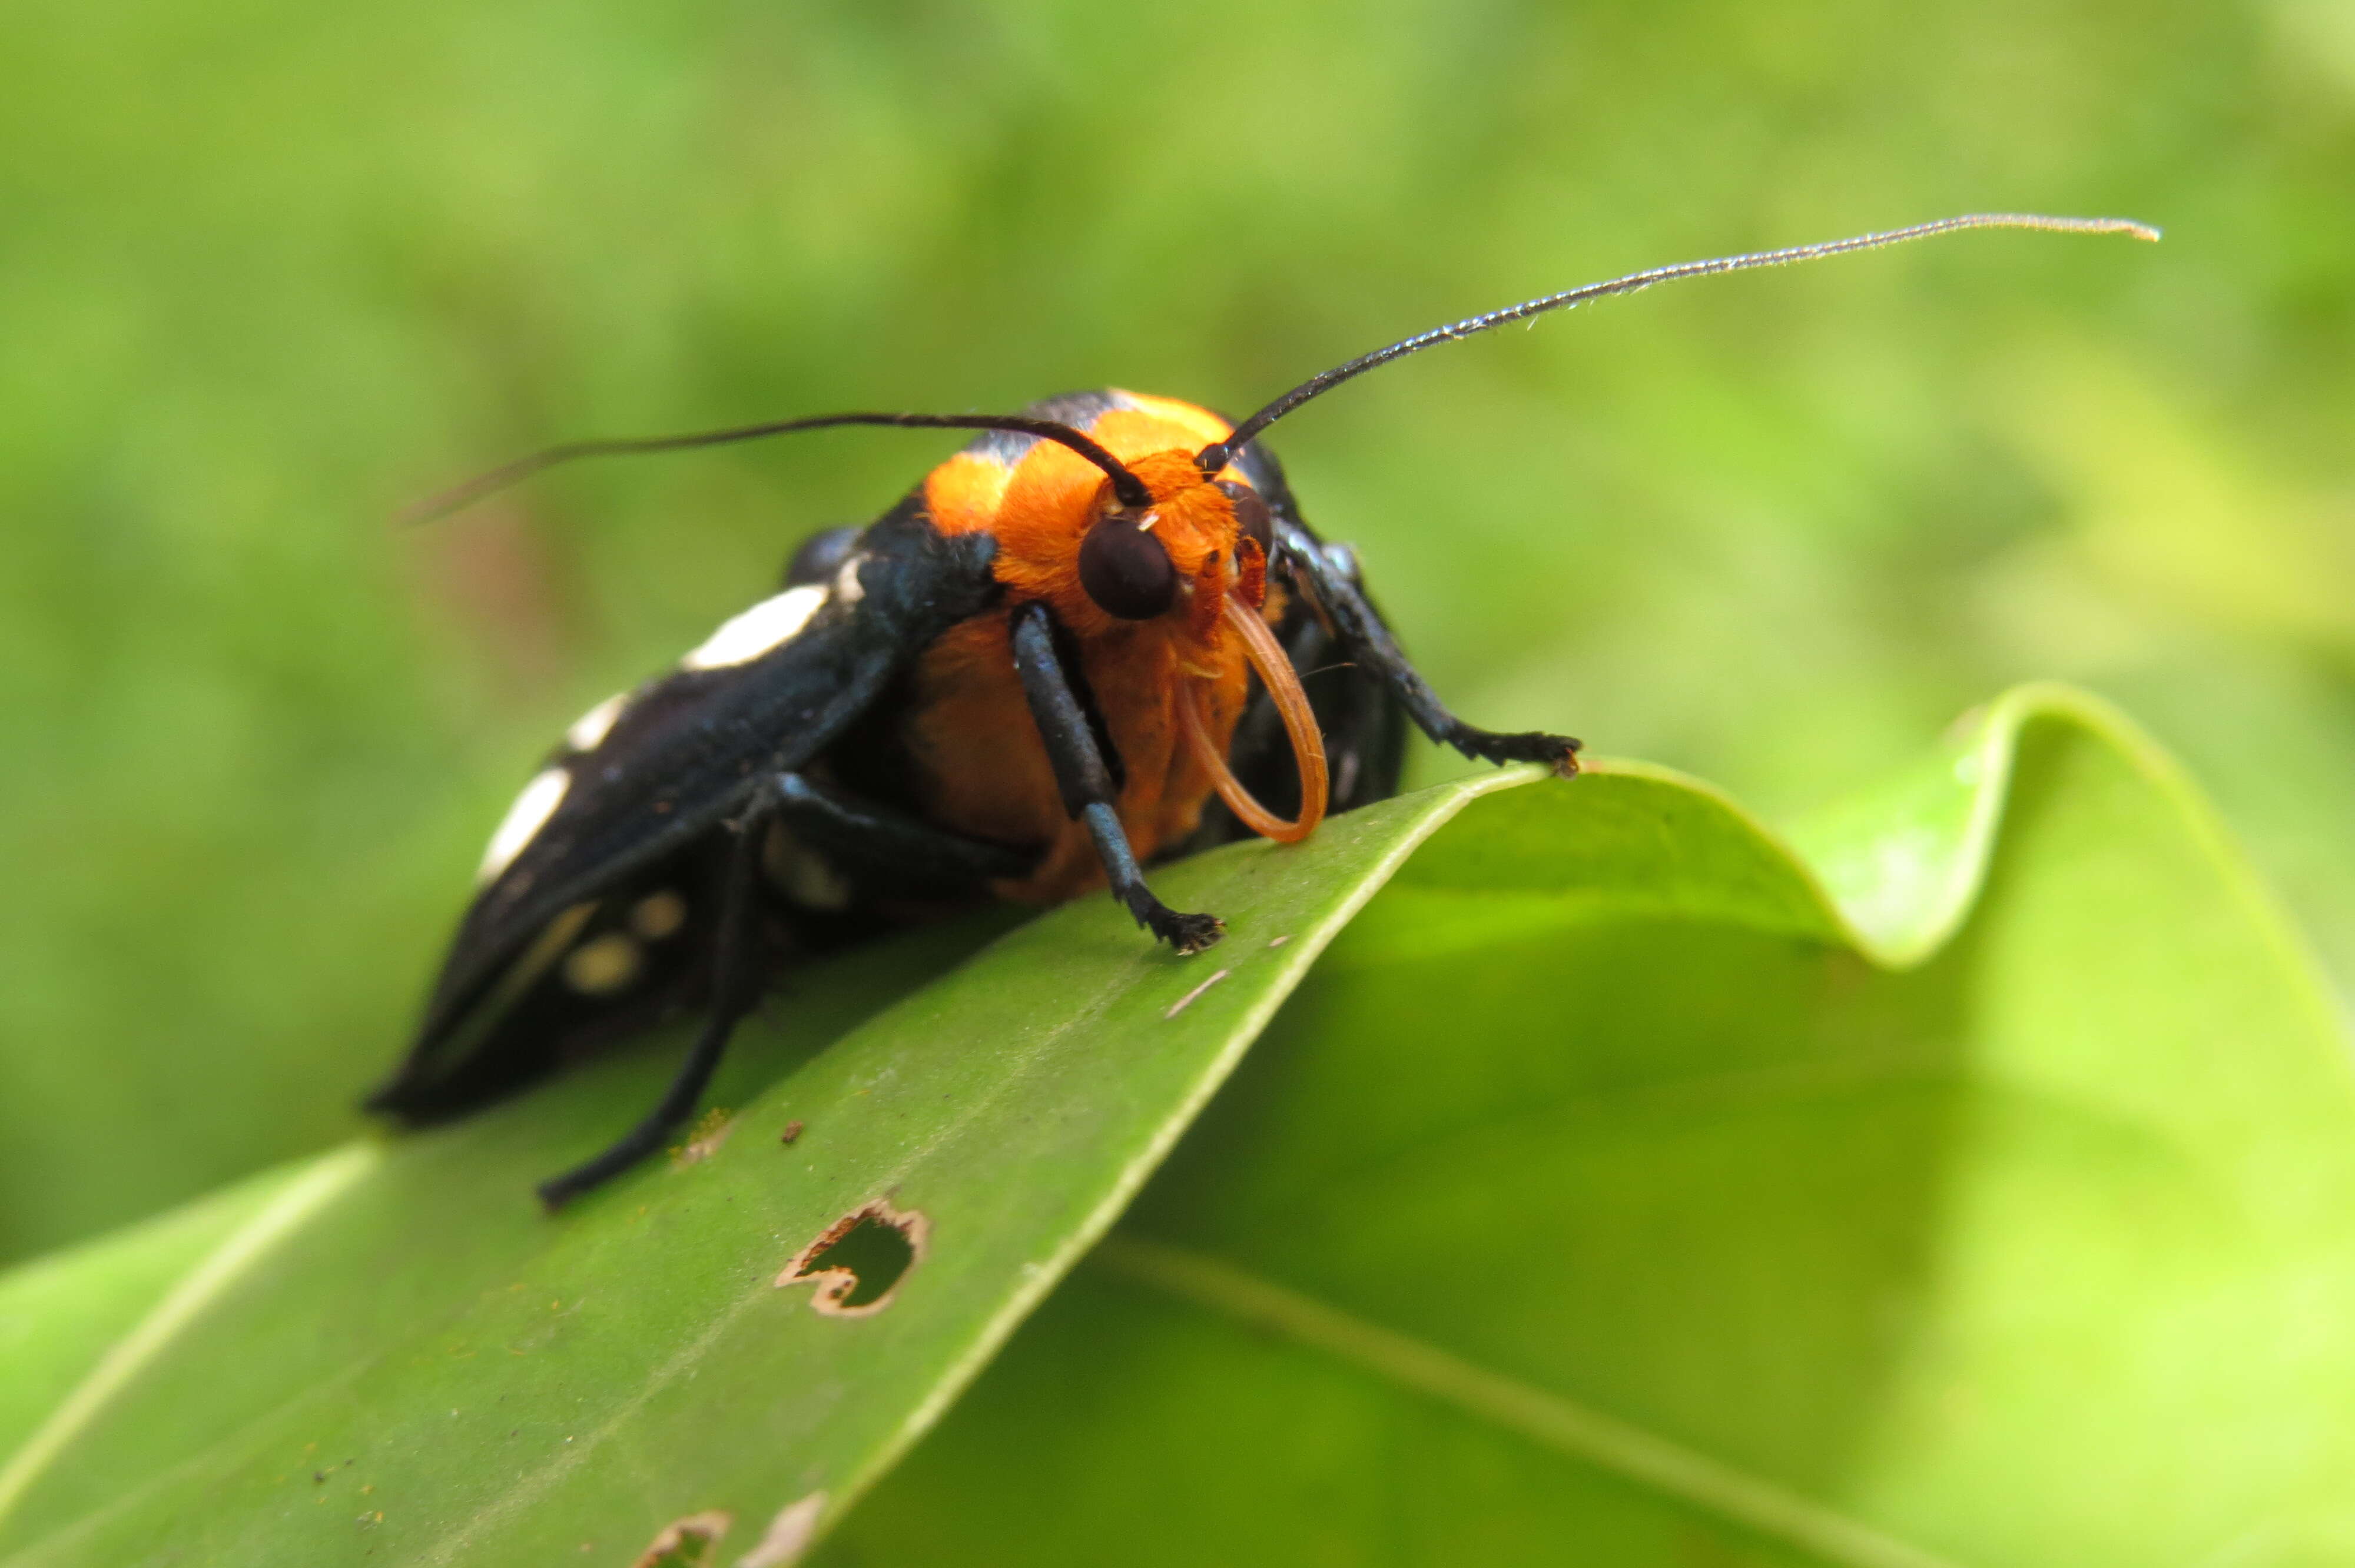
591, 727
525, 818
604, 965
795, 871
758, 630
658, 915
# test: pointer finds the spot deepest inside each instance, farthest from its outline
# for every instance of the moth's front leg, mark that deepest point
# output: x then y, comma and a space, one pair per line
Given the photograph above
1369, 646
1085, 783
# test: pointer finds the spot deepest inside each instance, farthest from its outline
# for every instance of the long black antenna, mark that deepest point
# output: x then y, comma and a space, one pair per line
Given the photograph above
1215, 456
1130, 489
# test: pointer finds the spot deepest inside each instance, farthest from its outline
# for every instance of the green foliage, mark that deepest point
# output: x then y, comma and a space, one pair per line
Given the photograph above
1616, 1188
272, 269
1599, 1199
393, 1353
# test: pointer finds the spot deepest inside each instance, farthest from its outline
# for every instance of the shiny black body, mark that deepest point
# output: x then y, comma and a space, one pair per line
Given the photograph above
763, 794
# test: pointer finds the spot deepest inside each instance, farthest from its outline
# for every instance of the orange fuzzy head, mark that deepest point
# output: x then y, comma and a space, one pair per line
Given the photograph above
1044, 506
1169, 594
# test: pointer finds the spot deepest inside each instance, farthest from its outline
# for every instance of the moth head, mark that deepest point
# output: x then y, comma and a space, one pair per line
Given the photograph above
1199, 538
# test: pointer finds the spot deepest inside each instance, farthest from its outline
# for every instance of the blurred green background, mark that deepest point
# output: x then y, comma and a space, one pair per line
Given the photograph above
268, 271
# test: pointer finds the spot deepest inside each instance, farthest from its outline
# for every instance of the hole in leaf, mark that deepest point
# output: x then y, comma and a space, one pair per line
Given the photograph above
860, 1260
689, 1542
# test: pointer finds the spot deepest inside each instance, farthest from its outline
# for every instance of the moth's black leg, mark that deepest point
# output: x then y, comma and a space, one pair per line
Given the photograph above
735, 988
1370, 645
1365, 735
1189, 934
877, 846
1086, 783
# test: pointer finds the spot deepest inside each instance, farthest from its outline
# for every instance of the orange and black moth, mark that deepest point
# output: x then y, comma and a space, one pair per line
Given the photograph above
1101, 635
1016, 683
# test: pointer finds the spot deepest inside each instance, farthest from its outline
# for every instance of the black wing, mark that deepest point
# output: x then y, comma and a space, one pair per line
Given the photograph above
633, 808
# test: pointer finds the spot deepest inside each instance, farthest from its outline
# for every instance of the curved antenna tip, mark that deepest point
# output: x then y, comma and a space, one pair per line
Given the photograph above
2132, 227
1325, 381
457, 498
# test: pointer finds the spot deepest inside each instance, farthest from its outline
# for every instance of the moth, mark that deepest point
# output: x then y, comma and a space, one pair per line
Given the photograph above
1101, 635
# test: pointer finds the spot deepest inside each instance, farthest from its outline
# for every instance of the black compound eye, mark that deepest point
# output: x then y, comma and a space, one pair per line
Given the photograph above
1126, 570
1252, 520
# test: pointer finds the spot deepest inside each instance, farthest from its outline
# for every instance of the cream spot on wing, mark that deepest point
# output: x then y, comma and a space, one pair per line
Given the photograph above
798, 871
758, 630
593, 727
659, 915
604, 965
525, 818
847, 586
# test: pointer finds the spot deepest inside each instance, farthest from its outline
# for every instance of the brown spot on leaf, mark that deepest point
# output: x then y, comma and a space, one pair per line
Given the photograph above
788, 1535
793, 1130
705, 1140
858, 1263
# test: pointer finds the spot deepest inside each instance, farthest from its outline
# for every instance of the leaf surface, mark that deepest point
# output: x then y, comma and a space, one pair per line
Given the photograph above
387, 1355
1624, 1187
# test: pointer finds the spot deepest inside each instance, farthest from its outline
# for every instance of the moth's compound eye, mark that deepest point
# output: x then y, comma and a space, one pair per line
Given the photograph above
1252, 520
1125, 568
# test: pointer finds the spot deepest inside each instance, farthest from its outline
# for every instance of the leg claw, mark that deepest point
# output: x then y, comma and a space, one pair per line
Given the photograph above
1189, 934
1559, 752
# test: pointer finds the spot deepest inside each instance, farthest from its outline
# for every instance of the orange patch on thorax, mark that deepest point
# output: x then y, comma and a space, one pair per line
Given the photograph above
983, 770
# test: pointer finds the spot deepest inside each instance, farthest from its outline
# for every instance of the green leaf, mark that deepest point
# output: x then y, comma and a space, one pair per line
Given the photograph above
387, 1355
1619, 1190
